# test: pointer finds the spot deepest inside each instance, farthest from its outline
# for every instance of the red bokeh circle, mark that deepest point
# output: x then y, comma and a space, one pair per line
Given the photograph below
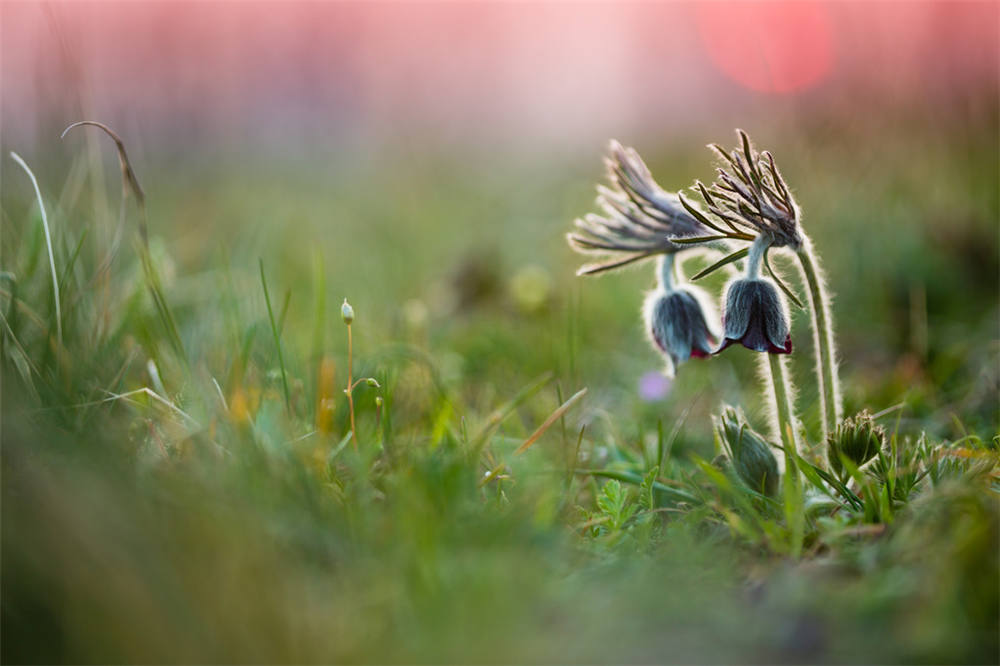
778, 47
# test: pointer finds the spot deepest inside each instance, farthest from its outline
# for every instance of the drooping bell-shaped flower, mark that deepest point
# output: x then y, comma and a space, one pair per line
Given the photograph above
639, 218
754, 314
677, 324
754, 317
680, 320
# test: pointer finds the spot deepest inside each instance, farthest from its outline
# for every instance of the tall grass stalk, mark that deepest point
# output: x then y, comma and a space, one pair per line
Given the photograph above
130, 184
277, 339
347, 313
48, 244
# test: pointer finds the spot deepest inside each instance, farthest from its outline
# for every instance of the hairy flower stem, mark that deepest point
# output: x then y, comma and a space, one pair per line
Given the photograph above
822, 323
781, 392
666, 274
756, 255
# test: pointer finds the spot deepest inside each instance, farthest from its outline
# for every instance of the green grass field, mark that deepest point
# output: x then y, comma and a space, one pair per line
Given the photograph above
175, 490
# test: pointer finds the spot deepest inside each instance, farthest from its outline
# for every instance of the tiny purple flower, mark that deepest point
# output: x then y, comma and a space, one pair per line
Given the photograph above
654, 386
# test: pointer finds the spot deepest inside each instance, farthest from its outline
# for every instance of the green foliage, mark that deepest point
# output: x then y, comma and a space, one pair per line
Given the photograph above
615, 506
198, 499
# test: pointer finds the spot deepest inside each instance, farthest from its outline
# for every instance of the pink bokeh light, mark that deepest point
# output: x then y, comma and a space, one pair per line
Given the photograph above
777, 47
554, 73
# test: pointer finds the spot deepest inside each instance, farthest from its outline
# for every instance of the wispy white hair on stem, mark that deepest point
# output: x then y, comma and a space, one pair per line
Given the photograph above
768, 379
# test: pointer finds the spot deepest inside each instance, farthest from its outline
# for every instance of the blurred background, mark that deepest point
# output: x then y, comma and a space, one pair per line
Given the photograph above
425, 160
333, 81
434, 155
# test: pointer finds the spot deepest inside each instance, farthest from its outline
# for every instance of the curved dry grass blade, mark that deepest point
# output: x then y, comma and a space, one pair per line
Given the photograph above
129, 180
735, 256
889, 410
131, 184
500, 414
48, 243
145, 390
553, 417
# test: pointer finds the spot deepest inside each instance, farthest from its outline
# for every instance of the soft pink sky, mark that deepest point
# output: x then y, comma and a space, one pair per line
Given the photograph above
551, 72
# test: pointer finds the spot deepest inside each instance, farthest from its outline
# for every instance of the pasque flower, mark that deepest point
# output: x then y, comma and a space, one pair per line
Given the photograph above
678, 319
751, 201
639, 219
751, 198
754, 317
754, 314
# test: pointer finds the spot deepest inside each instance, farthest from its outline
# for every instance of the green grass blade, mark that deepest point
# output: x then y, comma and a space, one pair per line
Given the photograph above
48, 243
277, 339
674, 493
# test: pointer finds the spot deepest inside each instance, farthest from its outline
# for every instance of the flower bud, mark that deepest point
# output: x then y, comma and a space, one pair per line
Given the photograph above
859, 439
755, 317
347, 312
371, 381
677, 324
750, 453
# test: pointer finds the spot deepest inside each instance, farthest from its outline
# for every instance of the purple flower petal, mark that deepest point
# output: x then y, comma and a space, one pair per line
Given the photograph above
654, 386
